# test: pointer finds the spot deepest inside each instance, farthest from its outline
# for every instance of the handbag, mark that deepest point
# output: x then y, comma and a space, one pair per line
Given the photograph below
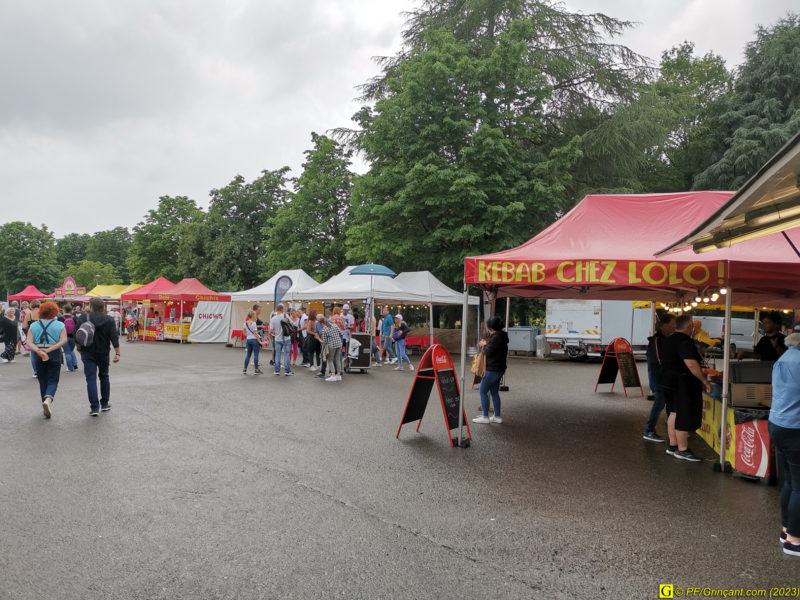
478, 364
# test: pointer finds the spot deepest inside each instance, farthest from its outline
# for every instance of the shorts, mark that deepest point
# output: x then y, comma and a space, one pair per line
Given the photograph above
689, 404
669, 399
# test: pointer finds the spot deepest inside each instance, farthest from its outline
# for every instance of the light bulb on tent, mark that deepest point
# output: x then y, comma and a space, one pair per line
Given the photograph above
706, 300
694, 304
723, 291
714, 297
698, 299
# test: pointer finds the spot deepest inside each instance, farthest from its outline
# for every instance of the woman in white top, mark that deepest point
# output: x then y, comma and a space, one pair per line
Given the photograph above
253, 343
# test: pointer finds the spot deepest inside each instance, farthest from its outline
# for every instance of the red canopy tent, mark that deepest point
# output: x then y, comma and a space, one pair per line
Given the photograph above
186, 291
141, 293
29, 293
605, 248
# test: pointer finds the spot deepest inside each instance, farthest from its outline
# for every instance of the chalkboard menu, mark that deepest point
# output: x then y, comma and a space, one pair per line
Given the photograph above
436, 365
619, 359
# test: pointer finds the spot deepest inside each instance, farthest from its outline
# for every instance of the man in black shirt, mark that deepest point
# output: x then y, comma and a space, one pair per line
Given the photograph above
682, 381
771, 346
95, 357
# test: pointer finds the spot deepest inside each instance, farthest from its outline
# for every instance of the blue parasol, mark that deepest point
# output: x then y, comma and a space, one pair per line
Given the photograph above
373, 269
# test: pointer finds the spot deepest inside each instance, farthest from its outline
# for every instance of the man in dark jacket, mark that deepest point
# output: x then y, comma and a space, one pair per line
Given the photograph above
95, 357
496, 350
655, 349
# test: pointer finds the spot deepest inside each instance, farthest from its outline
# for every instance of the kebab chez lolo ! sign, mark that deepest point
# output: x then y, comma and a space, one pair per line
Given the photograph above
615, 272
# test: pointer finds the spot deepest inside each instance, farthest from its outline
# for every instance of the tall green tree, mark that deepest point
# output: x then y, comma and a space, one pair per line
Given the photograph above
88, 273
156, 241
762, 113
71, 248
224, 249
308, 231
27, 258
111, 247
456, 167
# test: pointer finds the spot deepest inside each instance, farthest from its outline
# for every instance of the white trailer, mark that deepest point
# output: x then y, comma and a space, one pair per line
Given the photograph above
584, 328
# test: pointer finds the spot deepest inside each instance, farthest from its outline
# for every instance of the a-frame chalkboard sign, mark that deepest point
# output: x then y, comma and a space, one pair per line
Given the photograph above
619, 359
435, 366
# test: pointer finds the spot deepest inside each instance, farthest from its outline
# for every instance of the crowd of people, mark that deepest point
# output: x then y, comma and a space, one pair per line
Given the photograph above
308, 339
51, 336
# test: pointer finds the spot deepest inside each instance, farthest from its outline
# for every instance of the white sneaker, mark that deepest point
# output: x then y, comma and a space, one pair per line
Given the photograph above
338, 378
494, 419
315, 368
331, 378
393, 361
481, 419
398, 368
411, 367
46, 406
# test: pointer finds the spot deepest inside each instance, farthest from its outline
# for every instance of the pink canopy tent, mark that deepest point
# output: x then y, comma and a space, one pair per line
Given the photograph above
29, 293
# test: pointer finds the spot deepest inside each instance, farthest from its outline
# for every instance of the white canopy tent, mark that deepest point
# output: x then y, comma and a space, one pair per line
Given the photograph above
345, 286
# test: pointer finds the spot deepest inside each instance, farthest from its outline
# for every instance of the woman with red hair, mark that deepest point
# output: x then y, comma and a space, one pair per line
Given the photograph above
46, 337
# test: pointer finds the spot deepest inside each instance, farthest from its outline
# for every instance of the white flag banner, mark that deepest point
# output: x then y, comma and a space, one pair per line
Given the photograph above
210, 322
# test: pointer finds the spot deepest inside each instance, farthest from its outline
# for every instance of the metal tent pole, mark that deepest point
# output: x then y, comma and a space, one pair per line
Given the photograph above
725, 381
463, 364
430, 306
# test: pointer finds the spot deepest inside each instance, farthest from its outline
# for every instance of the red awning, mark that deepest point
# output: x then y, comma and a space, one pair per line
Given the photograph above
142, 292
188, 290
605, 248
29, 293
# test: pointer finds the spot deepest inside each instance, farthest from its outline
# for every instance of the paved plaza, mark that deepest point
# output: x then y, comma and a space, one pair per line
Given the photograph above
204, 483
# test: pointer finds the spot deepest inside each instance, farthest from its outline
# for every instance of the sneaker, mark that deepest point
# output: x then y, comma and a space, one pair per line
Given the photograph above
259, 372
105, 408
393, 361
244, 371
494, 419
687, 455
338, 378
671, 450
315, 368
289, 373
5, 360
94, 412
46, 406
651, 397
652, 436
783, 537
277, 373
331, 378
411, 367
320, 375
378, 364
398, 368
34, 376
790, 548
481, 419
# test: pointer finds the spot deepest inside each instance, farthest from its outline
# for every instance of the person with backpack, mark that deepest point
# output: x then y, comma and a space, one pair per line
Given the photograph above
69, 326
281, 329
96, 333
45, 338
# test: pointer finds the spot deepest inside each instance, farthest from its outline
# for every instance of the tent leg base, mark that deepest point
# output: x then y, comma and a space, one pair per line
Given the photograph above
718, 468
464, 443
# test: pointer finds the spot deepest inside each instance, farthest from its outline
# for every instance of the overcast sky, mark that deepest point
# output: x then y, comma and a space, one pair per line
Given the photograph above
106, 106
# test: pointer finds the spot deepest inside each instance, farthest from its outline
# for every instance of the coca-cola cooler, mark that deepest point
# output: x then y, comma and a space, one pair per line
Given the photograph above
749, 448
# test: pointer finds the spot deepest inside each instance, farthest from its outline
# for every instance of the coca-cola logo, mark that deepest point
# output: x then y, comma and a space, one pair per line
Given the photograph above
748, 439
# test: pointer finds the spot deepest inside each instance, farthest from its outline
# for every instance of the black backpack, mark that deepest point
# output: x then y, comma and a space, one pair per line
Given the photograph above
287, 329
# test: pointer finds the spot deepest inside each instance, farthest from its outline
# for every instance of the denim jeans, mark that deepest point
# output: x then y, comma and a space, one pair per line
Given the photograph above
655, 410
69, 354
47, 372
787, 446
94, 367
388, 345
253, 348
375, 354
282, 348
490, 384
400, 346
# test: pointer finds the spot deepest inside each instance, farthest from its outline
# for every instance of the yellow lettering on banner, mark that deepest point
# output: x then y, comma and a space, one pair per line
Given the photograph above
560, 272
537, 272
495, 271
649, 277
606, 276
632, 277
523, 274
673, 274
508, 272
688, 274
483, 272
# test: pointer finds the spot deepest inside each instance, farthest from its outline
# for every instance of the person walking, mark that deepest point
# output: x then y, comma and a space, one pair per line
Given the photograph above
46, 336
399, 333
784, 430
95, 356
495, 347
69, 326
332, 336
253, 343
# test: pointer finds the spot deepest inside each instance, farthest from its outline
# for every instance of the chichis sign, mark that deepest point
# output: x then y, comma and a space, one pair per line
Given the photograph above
600, 272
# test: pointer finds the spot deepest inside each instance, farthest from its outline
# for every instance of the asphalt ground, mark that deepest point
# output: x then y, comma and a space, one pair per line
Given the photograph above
205, 483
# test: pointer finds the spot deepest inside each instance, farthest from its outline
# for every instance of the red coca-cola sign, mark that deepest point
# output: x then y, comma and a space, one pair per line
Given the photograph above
752, 448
